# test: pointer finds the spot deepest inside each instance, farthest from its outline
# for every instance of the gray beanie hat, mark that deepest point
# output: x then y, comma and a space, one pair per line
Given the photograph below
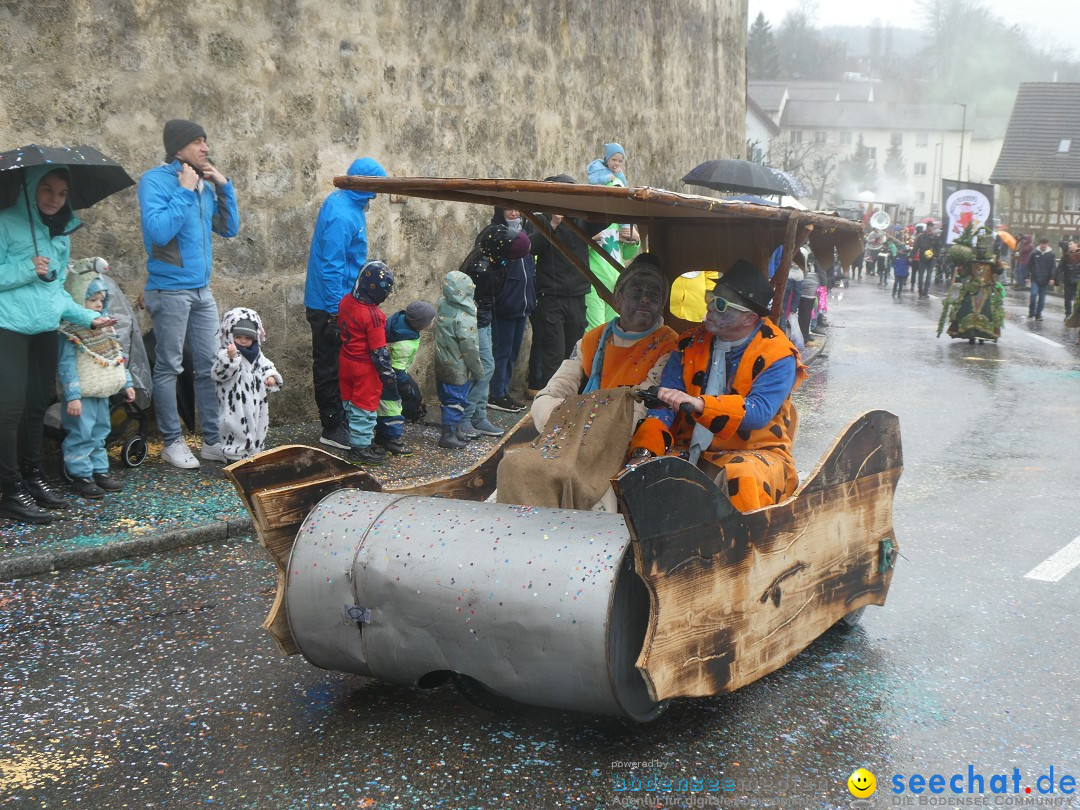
179, 133
246, 328
419, 314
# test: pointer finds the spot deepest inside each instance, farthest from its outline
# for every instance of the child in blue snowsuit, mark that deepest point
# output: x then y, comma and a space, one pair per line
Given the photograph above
901, 269
91, 368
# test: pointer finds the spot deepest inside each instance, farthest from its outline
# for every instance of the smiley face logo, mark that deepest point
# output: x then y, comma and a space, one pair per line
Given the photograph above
862, 783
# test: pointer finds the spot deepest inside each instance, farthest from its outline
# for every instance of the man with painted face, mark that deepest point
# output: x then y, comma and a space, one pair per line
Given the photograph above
735, 373
629, 350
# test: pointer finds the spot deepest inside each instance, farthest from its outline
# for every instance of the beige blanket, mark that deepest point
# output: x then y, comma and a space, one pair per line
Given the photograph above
583, 445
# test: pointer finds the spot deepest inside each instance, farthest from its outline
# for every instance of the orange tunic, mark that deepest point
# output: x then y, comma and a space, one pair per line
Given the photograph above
758, 463
626, 365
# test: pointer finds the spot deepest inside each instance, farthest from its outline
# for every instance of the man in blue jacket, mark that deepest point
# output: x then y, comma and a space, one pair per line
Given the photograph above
339, 248
182, 202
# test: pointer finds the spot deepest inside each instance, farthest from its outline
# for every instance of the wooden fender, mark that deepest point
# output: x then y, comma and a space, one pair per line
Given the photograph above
736, 596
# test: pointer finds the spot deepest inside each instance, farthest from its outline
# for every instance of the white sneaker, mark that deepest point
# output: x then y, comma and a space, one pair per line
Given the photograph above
212, 452
179, 455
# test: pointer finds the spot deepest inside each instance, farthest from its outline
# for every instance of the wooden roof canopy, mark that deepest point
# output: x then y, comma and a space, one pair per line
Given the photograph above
687, 231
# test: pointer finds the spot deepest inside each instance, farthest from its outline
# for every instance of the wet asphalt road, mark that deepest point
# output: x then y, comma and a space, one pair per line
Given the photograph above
150, 684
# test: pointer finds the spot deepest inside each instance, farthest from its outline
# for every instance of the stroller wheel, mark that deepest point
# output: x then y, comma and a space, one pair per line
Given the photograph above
134, 452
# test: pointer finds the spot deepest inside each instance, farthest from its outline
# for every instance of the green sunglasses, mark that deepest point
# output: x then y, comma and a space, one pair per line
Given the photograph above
721, 304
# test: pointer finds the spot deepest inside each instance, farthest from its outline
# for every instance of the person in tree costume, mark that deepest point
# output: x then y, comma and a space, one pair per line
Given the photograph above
976, 311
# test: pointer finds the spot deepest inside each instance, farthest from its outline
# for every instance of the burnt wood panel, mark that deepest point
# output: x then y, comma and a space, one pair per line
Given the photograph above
736, 596
869, 445
279, 542
291, 465
288, 506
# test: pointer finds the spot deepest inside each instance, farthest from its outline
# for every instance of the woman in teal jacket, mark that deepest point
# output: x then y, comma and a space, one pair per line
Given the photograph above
34, 252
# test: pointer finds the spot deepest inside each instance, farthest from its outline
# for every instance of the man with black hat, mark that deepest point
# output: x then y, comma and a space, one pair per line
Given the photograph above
735, 374
181, 202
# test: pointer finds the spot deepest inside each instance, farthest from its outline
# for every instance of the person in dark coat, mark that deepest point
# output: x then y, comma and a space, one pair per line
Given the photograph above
927, 246
514, 303
1069, 272
486, 265
1024, 249
558, 322
1041, 270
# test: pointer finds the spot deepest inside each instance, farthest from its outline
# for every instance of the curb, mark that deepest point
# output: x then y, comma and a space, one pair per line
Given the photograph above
29, 565
820, 342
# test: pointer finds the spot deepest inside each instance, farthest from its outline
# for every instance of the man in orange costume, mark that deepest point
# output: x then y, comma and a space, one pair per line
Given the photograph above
735, 374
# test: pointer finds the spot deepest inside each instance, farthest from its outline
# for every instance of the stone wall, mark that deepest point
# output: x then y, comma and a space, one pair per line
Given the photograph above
291, 91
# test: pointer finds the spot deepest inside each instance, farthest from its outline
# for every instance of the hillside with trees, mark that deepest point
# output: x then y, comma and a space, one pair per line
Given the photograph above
954, 51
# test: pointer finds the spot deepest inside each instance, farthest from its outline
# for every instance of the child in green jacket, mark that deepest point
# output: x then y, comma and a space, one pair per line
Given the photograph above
403, 339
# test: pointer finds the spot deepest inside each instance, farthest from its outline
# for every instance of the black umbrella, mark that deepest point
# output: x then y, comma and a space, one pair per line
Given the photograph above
93, 176
740, 175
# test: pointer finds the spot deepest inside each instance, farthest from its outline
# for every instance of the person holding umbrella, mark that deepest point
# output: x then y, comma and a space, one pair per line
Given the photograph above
34, 253
181, 202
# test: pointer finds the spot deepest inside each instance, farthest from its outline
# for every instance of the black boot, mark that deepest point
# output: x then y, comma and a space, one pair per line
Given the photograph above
87, 488
39, 490
18, 504
370, 455
395, 446
107, 482
449, 438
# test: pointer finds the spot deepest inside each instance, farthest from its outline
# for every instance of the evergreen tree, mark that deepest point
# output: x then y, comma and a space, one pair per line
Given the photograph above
894, 163
762, 56
858, 172
808, 55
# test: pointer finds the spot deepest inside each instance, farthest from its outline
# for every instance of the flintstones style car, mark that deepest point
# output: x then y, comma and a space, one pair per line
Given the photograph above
677, 595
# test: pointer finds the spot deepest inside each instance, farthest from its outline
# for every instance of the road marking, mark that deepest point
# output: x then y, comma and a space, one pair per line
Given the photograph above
1057, 566
1040, 337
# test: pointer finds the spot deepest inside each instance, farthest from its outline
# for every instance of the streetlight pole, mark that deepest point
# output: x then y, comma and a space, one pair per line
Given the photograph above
963, 131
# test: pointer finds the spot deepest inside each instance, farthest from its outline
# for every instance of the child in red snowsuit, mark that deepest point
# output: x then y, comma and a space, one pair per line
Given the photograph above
365, 373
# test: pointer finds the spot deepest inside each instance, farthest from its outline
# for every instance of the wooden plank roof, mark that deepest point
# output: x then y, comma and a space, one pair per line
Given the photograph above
1043, 115
688, 231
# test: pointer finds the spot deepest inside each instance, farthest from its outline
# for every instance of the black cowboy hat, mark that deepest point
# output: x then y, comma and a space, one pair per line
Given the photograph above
749, 284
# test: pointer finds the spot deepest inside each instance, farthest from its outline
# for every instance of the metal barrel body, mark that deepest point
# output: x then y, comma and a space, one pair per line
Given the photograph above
539, 605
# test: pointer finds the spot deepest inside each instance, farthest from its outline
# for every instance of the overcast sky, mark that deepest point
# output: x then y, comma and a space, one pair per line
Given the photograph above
1053, 22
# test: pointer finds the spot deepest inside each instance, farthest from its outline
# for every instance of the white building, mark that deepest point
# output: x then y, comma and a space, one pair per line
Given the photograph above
821, 123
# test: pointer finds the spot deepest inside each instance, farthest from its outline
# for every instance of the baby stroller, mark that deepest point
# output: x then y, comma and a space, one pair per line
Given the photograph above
130, 420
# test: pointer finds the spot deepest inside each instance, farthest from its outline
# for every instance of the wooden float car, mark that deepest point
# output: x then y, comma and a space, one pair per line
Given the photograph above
677, 595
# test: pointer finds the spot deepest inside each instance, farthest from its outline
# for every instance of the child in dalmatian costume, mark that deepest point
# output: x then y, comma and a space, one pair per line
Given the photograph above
244, 376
